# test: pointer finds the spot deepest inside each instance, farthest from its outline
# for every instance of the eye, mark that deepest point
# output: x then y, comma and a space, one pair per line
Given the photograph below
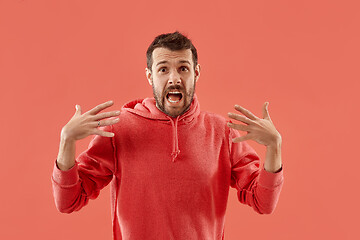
183, 68
163, 69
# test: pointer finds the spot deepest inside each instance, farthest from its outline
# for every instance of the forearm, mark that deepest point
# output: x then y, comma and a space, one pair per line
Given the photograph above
66, 156
273, 157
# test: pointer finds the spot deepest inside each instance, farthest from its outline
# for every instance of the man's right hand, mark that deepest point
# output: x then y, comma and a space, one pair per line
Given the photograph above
81, 126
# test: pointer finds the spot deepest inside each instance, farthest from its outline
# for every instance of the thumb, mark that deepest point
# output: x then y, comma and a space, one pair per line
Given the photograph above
78, 110
265, 110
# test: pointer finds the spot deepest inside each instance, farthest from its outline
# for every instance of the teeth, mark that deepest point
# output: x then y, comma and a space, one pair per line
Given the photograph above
173, 101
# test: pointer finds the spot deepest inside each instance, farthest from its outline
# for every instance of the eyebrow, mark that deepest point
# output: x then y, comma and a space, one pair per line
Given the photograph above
181, 61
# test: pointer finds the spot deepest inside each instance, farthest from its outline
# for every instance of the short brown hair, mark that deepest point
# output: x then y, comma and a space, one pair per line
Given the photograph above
172, 41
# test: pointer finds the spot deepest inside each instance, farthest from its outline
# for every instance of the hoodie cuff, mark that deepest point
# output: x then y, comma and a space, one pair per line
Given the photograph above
271, 180
66, 178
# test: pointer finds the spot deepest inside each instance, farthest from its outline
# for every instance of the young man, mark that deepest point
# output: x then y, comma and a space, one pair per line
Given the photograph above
170, 165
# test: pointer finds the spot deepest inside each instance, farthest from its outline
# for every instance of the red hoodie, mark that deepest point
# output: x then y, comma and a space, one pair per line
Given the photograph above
170, 177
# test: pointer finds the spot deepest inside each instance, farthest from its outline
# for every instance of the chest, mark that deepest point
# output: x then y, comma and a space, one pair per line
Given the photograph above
145, 147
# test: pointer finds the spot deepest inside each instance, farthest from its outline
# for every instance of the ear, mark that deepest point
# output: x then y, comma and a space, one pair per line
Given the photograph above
148, 75
197, 72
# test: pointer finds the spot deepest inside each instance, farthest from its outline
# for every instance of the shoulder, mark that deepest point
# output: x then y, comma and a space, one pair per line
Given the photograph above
214, 121
216, 125
126, 119
213, 117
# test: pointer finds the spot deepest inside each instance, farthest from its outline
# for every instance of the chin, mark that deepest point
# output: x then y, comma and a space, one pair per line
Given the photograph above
173, 113
178, 112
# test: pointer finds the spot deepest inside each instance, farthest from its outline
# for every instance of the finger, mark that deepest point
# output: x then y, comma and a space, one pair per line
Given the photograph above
106, 115
239, 118
78, 110
246, 112
242, 138
265, 110
100, 107
102, 133
104, 122
241, 127
266, 114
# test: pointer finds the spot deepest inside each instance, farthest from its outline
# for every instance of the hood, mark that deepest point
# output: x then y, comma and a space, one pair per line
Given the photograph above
146, 108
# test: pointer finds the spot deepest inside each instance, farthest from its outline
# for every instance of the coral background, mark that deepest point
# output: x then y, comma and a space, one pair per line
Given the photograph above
301, 56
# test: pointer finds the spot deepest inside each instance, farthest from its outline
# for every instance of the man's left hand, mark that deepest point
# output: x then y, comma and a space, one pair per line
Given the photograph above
260, 130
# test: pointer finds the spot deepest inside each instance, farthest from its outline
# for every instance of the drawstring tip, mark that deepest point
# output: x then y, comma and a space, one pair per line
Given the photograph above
174, 155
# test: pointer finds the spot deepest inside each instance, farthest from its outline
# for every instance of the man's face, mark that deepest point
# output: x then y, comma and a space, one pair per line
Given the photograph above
173, 79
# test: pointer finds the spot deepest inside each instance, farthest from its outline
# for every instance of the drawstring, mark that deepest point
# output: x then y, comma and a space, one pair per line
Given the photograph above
175, 150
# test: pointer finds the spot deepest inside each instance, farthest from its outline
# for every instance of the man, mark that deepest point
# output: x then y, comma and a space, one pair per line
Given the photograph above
170, 165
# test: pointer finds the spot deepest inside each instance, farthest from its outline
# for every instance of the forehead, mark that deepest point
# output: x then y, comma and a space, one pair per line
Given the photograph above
164, 54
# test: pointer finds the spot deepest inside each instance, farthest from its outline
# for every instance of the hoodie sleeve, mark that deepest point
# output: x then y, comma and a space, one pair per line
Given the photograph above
93, 170
255, 186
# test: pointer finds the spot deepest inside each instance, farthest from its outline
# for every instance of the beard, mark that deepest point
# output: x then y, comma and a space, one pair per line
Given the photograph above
187, 97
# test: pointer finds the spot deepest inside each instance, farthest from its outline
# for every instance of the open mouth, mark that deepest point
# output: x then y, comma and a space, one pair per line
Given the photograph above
174, 97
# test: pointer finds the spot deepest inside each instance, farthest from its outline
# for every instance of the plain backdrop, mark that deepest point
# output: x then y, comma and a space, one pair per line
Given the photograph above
300, 56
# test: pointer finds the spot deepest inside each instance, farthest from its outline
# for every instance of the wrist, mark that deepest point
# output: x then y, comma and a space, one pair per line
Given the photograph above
66, 138
276, 144
66, 155
273, 157
64, 166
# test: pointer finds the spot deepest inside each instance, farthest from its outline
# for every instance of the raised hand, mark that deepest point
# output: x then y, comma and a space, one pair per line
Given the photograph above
260, 130
83, 125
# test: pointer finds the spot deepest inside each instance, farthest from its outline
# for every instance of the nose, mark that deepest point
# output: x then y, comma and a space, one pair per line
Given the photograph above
174, 78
